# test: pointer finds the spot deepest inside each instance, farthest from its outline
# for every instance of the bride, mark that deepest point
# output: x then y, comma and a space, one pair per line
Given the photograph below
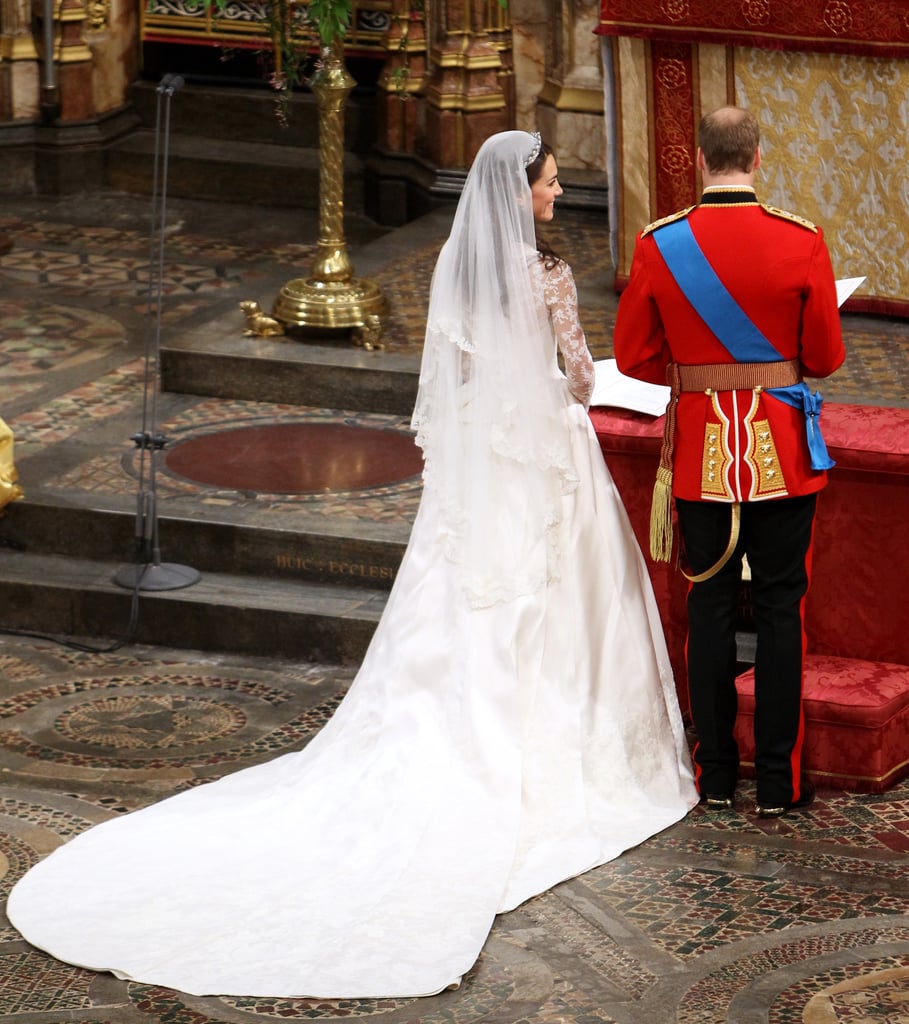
513, 724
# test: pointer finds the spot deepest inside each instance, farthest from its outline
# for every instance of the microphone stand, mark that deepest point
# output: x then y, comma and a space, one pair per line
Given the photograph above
147, 571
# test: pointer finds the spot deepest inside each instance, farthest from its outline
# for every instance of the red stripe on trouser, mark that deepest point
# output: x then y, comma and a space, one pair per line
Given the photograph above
795, 758
694, 752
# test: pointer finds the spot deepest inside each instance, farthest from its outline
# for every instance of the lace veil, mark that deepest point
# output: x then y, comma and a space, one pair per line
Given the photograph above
490, 414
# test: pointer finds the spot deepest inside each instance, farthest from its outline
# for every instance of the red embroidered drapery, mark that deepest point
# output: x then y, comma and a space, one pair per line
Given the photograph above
875, 28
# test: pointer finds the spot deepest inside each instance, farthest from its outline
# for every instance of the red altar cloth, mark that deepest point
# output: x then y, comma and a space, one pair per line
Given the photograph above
857, 670
875, 28
860, 580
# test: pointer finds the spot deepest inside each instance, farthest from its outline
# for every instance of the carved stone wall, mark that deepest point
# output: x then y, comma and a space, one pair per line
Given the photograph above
569, 105
94, 59
467, 95
19, 85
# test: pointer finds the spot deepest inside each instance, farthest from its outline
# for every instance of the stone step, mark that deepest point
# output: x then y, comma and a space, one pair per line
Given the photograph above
77, 597
228, 145
224, 364
230, 113
235, 172
364, 556
250, 114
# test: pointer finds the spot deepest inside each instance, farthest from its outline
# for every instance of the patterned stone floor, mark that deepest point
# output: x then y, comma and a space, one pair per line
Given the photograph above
723, 918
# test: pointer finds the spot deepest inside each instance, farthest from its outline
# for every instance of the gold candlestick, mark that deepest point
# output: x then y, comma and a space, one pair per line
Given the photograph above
332, 297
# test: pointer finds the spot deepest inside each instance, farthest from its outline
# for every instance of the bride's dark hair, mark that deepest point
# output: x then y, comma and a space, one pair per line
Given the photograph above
534, 170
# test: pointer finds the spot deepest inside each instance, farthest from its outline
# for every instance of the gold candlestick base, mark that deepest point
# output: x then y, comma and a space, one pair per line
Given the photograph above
356, 304
332, 298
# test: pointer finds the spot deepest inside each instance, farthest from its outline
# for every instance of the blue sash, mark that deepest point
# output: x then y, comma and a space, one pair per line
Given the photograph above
734, 330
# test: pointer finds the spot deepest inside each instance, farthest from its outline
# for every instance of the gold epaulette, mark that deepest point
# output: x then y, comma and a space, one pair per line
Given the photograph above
678, 215
773, 211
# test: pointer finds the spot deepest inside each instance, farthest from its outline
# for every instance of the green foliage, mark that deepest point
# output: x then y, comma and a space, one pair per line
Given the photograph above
331, 18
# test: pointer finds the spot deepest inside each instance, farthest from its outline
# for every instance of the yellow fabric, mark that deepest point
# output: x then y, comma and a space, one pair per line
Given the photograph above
9, 489
831, 131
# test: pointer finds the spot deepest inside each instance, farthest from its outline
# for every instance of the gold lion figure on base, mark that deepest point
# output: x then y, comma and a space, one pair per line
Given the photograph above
367, 334
259, 324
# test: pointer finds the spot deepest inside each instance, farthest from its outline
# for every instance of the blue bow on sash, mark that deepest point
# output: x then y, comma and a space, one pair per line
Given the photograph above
734, 330
800, 396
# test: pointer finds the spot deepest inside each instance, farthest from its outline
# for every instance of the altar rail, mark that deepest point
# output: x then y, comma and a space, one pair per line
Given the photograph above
856, 619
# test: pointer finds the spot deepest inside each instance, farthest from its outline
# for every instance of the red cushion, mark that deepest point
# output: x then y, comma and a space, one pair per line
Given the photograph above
871, 438
621, 430
856, 723
863, 693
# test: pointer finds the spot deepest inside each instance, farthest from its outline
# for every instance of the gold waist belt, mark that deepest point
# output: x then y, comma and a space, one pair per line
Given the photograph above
738, 376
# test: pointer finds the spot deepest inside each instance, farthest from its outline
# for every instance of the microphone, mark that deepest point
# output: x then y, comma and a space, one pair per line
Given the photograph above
170, 83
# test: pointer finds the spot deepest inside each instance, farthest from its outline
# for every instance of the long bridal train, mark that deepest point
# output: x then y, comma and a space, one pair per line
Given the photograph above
480, 757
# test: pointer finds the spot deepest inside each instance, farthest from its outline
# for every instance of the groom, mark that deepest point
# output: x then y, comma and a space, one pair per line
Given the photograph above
734, 301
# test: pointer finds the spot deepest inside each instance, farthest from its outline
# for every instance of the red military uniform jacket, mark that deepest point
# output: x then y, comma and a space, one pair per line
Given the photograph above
735, 445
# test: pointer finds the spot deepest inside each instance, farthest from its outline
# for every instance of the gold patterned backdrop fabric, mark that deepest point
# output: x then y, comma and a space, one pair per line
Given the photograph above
835, 148
833, 141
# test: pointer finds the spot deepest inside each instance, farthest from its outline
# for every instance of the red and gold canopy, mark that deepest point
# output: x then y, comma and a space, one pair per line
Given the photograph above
875, 28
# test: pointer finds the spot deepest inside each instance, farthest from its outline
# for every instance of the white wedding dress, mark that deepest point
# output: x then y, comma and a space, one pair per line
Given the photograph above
481, 756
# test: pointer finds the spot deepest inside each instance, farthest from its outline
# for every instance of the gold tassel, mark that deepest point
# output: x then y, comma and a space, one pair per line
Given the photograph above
661, 517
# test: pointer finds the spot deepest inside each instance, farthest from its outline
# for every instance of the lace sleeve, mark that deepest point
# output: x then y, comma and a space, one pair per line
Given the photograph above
562, 303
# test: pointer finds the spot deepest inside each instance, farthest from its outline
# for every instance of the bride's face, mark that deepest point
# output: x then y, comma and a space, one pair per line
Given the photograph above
545, 190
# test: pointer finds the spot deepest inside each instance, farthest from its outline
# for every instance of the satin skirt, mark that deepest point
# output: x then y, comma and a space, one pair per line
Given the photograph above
480, 757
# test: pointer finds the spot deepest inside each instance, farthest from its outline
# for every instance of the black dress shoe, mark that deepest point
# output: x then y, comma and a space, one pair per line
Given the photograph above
778, 810
718, 801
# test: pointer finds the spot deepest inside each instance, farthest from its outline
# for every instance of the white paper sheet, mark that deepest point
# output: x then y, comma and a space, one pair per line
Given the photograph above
614, 388
845, 286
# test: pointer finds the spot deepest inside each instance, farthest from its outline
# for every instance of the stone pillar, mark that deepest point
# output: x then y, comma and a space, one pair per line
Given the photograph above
465, 98
570, 103
19, 69
402, 80
530, 26
74, 62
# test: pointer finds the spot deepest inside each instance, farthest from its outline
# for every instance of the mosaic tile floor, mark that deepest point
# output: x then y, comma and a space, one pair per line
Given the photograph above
723, 918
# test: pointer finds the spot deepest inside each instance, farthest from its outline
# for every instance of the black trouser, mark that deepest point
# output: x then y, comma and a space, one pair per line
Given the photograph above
776, 536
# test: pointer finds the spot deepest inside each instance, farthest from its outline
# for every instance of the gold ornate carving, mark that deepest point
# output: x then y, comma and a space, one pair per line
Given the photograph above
714, 463
98, 15
764, 461
18, 47
245, 22
838, 16
676, 10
